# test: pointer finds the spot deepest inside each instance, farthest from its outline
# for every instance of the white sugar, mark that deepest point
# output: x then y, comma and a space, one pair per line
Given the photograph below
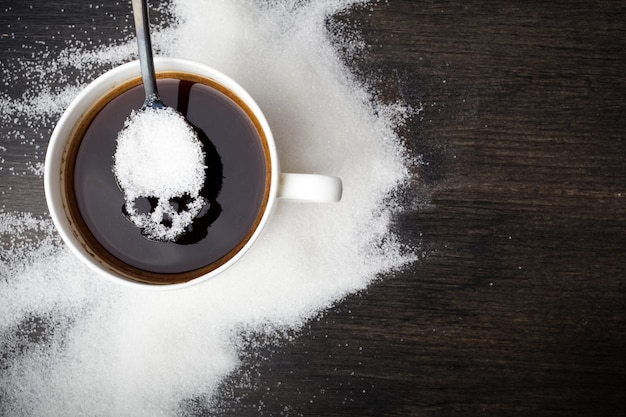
158, 155
110, 351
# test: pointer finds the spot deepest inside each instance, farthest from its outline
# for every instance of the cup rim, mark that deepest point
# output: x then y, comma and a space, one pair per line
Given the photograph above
77, 110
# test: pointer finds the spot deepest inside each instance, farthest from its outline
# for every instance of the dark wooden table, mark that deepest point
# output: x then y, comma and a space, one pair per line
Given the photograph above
517, 306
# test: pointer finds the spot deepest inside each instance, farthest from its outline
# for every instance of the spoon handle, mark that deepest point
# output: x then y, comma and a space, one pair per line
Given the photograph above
142, 28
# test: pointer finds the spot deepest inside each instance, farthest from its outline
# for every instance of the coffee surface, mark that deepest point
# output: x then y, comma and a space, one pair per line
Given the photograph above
235, 188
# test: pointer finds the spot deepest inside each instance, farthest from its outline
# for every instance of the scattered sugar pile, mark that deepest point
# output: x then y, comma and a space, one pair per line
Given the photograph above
73, 344
158, 154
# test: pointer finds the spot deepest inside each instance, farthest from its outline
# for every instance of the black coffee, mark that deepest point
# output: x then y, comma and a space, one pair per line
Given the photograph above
236, 189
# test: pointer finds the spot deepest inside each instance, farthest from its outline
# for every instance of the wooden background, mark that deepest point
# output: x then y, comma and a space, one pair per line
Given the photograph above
517, 307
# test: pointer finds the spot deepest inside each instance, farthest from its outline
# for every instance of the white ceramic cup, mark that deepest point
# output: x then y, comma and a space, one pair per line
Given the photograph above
289, 186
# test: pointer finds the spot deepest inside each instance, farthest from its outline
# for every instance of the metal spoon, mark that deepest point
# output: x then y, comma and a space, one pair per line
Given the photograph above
173, 219
142, 28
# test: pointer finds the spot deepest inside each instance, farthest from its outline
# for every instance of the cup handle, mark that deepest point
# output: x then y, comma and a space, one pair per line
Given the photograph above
310, 187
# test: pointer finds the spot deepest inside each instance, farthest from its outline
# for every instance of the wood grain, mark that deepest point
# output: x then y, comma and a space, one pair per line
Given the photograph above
517, 305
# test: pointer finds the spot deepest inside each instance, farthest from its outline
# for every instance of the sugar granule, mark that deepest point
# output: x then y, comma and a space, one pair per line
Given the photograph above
100, 349
158, 155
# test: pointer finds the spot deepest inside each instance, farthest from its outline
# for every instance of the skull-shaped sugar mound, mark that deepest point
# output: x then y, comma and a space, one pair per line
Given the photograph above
160, 160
